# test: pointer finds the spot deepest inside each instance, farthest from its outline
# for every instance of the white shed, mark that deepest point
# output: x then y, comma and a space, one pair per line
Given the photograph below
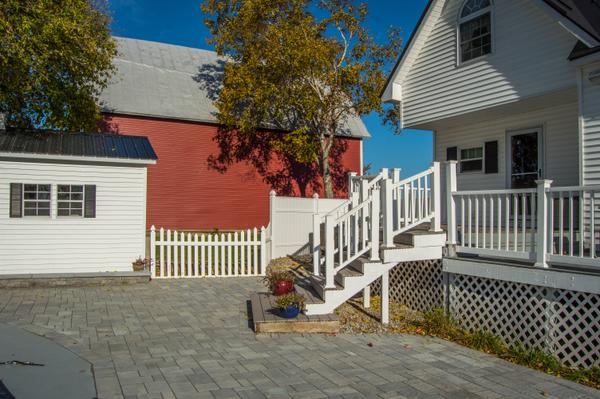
72, 202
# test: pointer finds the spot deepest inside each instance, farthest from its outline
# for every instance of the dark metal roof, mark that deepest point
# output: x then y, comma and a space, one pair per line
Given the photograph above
581, 50
583, 13
97, 145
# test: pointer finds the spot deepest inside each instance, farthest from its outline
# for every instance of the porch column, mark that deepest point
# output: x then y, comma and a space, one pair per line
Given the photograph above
451, 205
351, 177
388, 213
385, 298
541, 241
436, 226
367, 297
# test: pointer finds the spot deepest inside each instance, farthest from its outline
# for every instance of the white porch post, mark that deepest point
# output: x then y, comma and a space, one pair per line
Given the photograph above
396, 175
329, 243
367, 297
272, 197
388, 213
351, 177
451, 204
316, 250
436, 198
385, 298
375, 225
541, 241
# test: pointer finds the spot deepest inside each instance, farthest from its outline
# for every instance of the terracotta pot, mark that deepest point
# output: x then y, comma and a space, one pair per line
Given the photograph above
283, 287
138, 267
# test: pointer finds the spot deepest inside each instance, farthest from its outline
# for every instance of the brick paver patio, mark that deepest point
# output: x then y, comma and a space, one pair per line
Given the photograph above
191, 339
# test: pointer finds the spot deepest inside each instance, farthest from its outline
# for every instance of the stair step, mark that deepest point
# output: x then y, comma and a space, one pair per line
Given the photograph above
304, 287
421, 238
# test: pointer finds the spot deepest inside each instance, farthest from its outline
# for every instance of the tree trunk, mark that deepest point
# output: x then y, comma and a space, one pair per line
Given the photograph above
326, 173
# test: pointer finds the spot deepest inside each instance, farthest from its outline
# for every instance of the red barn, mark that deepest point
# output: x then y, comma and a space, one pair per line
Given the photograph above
166, 93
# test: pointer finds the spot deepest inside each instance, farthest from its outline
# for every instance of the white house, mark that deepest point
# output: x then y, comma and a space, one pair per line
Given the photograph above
72, 203
510, 88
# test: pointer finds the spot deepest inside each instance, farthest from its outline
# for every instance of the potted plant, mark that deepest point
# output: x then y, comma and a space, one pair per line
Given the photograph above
139, 265
289, 305
280, 282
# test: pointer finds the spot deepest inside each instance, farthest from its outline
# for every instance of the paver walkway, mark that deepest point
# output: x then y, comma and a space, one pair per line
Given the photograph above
190, 339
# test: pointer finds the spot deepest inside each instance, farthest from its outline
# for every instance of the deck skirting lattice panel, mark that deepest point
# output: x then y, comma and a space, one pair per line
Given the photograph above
418, 285
561, 322
564, 323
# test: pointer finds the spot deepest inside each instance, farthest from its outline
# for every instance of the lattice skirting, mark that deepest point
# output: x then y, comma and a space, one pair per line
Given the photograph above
562, 322
418, 285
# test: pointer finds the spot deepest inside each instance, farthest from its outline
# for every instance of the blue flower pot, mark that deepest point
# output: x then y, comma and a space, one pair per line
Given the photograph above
290, 312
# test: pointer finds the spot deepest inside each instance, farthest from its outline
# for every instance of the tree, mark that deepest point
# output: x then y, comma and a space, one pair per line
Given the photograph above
55, 58
300, 66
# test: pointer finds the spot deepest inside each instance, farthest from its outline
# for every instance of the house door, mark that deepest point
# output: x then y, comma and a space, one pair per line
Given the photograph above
525, 158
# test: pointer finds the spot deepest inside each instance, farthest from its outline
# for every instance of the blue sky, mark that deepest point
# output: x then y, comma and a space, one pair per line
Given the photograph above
181, 22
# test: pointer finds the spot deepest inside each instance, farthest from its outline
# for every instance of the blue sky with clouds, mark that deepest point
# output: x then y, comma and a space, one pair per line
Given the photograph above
181, 22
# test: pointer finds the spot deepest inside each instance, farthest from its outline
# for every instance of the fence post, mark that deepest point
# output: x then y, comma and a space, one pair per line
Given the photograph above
375, 204
263, 251
272, 198
387, 211
152, 251
437, 198
541, 244
329, 248
451, 205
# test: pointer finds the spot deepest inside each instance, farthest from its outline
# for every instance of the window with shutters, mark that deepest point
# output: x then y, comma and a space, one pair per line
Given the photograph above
471, 159
70, 200
475, 30
36, 199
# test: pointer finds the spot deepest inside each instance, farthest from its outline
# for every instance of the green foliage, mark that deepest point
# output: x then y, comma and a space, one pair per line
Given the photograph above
437, 323
55, 57
299, 66
292, 299
272, 277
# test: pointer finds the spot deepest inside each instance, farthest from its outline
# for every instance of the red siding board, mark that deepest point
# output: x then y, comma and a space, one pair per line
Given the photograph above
185, 194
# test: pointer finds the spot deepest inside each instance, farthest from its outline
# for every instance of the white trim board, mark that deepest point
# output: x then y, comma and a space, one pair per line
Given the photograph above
524, 275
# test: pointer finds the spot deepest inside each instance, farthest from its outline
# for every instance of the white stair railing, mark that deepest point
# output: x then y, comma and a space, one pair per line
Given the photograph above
353, 229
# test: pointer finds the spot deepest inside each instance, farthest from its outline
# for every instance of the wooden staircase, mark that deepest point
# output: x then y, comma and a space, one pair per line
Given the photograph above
413, 245
385, 222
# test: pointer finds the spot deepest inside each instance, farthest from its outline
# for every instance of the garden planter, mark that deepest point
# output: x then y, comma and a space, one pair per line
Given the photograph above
283, 287
138, 267
290, 312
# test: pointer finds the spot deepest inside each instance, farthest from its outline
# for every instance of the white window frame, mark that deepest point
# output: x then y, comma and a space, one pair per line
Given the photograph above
461, 20
37, 191
460, 159
70, 201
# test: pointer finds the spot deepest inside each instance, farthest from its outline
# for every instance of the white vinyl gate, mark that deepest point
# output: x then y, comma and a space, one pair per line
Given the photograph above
176, 254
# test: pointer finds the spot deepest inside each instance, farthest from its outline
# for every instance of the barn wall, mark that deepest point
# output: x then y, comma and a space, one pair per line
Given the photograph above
185, 193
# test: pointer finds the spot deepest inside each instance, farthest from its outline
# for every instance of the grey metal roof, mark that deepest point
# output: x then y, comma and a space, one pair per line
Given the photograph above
77, 144
169, 81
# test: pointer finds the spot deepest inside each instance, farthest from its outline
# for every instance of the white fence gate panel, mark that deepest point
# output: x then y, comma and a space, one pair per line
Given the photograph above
176, 254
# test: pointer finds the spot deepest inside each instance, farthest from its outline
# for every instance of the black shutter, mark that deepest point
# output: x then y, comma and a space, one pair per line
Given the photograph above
89, 210
491, 157
16, 200
452, 154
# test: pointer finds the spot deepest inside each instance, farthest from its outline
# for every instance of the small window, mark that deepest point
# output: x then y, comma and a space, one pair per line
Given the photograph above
475, 29
471, 159
69, 200
36, 199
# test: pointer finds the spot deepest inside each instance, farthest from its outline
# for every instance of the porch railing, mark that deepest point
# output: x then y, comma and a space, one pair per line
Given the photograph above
542, 224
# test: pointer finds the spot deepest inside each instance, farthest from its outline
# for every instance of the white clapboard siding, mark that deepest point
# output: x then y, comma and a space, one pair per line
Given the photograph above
176, 254
529, 59
590, 109
559, 126
109, 242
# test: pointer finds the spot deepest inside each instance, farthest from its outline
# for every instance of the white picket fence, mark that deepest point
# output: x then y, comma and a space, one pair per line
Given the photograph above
176, 254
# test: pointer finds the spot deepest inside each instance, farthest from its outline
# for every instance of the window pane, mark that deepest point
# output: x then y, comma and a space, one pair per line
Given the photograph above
77, 189
29, 212
472, 6
76, 212
30, 187
44, 187
76, 197
470, 153
475, 37
63, 189
471, 166
44, 196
